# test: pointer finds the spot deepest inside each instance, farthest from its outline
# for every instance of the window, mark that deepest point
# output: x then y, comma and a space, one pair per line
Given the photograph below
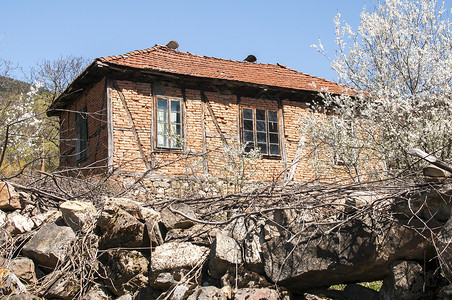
81, 135
260, 130
169, 123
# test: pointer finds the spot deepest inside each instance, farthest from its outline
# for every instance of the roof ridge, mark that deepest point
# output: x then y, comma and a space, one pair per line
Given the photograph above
131, 53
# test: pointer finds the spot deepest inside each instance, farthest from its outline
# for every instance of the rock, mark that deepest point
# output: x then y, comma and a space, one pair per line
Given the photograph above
3, 218
225, 253
358, 292
171, 261
130, 206
125, 297
78, 215
154, 233
434, 172
180, 292
404, 282
97, 292
47, 217
49, 245
239, 277
355, 254
256, 294
252, 253
22, 296
148, 214
20, 224
122, 230
207, 293
24, 268
172, 220
198, 234
9, 198
66, 287
127, 271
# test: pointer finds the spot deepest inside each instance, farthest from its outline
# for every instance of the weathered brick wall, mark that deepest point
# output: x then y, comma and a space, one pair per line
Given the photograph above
95, 101
225, 107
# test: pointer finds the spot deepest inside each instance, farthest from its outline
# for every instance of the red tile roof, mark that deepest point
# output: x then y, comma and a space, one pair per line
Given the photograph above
162, 58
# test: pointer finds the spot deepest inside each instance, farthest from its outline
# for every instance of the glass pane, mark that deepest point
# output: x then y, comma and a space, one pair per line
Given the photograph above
248, 125
261, 137
273, 127
247, 113
175, 106
274, 138
260, 114
248, 136
262, 148
161, 116
248, 148
162, 104
274, 149
273, 116
260, 126
175, 117
162, 140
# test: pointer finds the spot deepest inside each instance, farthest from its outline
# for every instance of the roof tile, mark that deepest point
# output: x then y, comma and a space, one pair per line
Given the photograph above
162, 58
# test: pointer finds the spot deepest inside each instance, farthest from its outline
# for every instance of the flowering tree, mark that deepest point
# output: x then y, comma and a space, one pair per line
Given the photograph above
399, 61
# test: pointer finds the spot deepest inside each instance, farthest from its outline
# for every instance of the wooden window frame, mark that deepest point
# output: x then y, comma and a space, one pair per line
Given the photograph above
168, 144
258, 131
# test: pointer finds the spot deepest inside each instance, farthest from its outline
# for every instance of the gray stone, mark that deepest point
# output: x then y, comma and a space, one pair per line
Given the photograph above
435, 172
404, 282
198, 234
47, 217
122, 230
97, 293
20, 224
172, 220
256, 294
24, 268
355, 254
180, 292
207, 293
78, 215
127, 271
225, 253
66, 287
49, 245
171, 261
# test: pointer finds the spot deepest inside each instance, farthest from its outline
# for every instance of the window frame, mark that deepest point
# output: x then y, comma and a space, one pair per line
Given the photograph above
169, 124
256, 131
81, 136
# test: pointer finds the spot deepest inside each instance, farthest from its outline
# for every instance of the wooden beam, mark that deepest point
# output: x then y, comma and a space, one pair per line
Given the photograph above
135, 134
217, 126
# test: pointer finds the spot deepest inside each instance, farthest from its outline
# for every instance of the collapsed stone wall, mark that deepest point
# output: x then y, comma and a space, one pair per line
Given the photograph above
186, 249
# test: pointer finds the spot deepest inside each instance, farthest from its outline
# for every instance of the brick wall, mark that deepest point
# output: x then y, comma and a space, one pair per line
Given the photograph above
95, 101
225, 107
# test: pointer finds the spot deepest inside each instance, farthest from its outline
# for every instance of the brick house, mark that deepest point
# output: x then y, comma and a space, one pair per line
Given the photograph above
147, 110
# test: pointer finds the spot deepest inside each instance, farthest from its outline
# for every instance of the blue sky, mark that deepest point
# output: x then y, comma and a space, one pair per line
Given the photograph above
274, 31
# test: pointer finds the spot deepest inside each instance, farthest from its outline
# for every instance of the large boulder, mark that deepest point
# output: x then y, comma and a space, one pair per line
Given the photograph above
355, 253
121, 229
171, 261
49, 245
78, 215
226, 252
